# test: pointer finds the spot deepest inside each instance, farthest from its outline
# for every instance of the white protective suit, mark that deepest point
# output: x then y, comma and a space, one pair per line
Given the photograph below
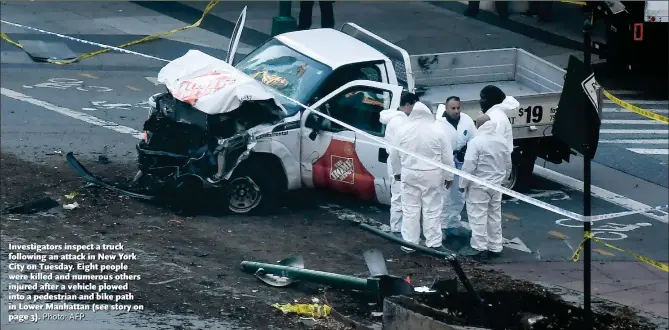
422, 182
499, 115
488, 157
454, 200
393, 119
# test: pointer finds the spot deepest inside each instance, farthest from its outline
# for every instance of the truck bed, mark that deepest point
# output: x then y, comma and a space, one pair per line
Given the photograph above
470, 92
535, 83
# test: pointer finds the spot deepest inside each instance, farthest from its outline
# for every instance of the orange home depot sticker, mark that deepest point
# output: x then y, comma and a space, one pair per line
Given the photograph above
341, 170
190, 90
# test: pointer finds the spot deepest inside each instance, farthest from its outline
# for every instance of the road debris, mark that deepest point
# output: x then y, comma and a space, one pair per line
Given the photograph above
310, 310
38, 205
71, 206
72, 195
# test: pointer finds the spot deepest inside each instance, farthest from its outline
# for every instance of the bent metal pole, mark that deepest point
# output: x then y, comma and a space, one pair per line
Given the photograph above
450, 257
314, 276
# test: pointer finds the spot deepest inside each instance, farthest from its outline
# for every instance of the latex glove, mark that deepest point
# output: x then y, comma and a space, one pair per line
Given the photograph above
456, 161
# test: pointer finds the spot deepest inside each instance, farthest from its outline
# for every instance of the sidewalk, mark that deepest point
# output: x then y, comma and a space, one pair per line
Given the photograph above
633, 284
419, 27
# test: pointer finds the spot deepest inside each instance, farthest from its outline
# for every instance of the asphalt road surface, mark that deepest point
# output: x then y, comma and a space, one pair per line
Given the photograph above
97, 107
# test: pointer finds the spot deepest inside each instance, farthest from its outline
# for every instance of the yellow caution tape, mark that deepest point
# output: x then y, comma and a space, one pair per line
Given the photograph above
588, 235
635, 109
309, 310
145, 39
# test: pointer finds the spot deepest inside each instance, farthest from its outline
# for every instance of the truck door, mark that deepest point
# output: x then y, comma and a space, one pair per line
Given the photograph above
337, 158
234, 38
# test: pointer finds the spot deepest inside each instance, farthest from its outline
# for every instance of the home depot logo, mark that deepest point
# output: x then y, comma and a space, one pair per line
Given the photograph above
191, 90
342, 169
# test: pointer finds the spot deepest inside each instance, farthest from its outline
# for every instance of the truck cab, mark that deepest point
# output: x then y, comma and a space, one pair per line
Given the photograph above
352, 75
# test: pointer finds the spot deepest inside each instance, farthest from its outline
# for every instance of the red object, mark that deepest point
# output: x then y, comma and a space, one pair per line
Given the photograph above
341, 170
638, 31
408, 280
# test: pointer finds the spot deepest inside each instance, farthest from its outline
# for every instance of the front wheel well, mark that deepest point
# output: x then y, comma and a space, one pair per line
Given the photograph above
268, 163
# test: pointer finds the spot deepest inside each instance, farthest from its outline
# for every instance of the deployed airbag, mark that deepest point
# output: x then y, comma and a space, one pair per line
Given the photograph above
211, 85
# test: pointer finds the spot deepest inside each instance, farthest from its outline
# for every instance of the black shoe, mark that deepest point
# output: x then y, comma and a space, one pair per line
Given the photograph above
440, 248
469, 252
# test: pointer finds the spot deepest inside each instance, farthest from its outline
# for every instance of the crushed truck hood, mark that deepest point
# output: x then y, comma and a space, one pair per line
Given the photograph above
211, 85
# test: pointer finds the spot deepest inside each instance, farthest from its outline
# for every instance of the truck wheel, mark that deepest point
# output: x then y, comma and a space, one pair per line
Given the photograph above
252, 190
521, 171
244, 194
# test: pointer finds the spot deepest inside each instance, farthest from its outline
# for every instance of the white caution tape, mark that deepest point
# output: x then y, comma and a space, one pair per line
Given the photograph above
85, 41
385, 144
549, 207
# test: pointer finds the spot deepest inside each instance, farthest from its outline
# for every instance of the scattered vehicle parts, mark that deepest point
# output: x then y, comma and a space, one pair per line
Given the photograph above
83, 172
71, 206
38, 205
450, 257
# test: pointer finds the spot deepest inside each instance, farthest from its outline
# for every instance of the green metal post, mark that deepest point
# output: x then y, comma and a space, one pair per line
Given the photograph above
284, 22
314, 276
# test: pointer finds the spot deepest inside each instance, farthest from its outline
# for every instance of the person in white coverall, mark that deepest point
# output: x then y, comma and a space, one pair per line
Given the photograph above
422, 182
497, 105
394, 119
488, 157
461, 129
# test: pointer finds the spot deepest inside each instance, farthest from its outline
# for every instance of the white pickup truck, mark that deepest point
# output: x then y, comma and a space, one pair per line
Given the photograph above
352, 75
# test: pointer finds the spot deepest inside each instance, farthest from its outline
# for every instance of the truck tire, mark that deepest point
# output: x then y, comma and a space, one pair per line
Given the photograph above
521, 172
254, 186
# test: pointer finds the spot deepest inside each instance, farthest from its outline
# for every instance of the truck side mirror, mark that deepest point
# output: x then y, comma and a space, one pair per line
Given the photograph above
316, 128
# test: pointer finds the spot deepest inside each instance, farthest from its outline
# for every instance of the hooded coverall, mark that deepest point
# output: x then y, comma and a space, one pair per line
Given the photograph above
422, 182
498, 114
488, 157
454, 200
393, 119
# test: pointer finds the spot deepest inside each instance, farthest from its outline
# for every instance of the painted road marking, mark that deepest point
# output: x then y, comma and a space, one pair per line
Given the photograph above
516, 244
639, 141
88, 75
509, 216
558, 234
598, 192
634, 131
611, 229
604, 252
649, 151
153, 80
72, 114
627, 111
632, 122
543, 172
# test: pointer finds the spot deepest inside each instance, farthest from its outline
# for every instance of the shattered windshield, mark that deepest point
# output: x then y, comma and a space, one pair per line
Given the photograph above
282, 68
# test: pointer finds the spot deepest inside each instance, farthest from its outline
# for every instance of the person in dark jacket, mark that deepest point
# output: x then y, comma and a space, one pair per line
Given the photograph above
542, 9
306, 9
502, 8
